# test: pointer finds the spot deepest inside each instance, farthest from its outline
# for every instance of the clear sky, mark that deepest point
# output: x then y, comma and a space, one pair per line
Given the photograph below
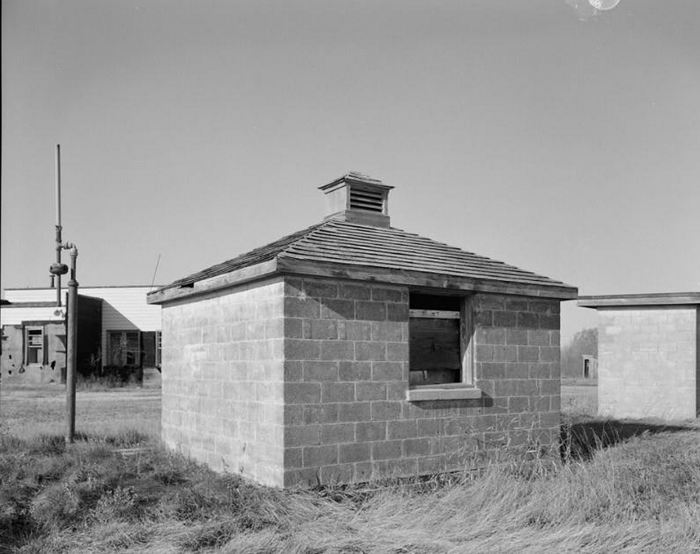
539, 133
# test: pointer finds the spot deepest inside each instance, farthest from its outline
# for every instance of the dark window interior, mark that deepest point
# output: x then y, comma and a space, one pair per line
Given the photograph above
434, 342
124, 349
35, 346
434, 302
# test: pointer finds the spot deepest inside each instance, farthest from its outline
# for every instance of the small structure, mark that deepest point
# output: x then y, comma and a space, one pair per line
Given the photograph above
648, 359
589, 367
34, 339
117, 332
352, 350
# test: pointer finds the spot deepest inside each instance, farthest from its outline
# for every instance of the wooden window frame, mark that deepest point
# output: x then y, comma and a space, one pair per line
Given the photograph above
159, 348
28, 347
464, 388
586, 367
122, 333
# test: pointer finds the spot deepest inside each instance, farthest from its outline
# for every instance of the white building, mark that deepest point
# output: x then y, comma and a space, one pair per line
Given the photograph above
33, 329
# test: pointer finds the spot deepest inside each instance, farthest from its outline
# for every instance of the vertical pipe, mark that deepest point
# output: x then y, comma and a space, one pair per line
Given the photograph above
72, 343
59, 240
58, 185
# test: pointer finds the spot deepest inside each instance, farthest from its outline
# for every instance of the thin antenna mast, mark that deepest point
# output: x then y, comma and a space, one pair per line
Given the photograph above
155, 271
59, 240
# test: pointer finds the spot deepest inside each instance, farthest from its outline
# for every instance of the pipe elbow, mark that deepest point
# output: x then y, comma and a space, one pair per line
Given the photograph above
72, 247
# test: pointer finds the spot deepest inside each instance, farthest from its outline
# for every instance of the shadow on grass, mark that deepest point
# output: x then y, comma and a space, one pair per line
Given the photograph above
580, 439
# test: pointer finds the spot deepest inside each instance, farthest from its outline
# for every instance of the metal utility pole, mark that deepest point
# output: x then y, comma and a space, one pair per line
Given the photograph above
57, 269
72, 340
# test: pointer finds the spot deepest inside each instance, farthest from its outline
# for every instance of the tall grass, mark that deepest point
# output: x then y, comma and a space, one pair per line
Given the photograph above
33, 410
617, 490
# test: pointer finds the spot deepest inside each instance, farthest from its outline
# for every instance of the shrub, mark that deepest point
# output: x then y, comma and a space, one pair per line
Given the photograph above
114, 505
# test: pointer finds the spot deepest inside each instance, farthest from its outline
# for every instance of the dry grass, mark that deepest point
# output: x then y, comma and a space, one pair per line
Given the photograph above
30, 410
623, 488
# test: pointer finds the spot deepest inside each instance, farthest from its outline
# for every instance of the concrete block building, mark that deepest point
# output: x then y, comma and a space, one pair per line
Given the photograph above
648, 358
353, 350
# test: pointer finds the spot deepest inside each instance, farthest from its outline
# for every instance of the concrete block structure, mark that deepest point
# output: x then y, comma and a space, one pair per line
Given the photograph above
353, 350
648, 362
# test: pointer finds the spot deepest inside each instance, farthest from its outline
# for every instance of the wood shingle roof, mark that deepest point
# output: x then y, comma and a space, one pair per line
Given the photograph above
346, 244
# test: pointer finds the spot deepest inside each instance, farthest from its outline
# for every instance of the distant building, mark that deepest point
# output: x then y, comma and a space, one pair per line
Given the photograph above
118, 332
648, 358
353, 350
589, 367
578, 357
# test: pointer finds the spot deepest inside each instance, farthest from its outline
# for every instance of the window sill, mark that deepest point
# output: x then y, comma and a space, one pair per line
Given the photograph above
443, 392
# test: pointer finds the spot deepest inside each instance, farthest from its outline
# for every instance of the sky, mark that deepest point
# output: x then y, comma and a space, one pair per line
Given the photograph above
545, 134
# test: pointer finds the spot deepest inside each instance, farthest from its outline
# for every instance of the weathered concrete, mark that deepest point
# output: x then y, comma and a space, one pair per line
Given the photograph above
52, 364
303, 381
648, 362
346, 375
223, 387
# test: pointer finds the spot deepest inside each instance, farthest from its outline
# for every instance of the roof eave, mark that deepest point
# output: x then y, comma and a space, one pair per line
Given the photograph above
354, 178
641, 300
421, 279
291, 266
227, 280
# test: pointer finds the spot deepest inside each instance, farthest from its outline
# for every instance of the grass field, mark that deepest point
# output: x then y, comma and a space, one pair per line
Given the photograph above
31, 410
579, 399
623, 487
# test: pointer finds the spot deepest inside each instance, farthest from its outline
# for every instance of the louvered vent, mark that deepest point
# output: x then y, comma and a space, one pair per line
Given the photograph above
369, 200
358, 198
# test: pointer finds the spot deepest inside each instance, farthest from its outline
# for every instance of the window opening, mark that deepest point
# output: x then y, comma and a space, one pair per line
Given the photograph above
158, 349
124, 348
440, 331
34, 341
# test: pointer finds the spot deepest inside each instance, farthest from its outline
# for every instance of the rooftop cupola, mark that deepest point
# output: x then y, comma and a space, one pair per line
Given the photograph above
359, 199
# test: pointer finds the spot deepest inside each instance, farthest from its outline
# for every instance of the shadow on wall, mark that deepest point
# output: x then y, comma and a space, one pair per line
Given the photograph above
116, 318
580, 440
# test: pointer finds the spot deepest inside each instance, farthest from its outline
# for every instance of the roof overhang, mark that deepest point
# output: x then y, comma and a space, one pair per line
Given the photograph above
634, 300
213, 284
418, 279
19, 305
425, 280
354, 178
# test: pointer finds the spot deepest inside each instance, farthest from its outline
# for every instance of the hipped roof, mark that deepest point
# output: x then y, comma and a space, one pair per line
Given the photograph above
341, 249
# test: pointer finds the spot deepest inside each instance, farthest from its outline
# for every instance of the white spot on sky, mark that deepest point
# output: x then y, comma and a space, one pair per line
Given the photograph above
603, 5
588, 9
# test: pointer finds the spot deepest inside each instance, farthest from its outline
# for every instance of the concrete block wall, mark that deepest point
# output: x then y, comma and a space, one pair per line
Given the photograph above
346, 374
647, 362
517, 367
222, 382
